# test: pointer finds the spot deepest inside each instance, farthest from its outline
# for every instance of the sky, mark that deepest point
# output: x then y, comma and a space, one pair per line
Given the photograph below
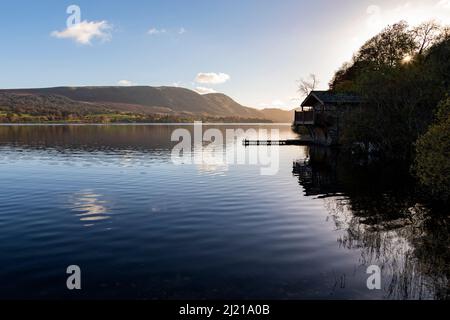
255, 51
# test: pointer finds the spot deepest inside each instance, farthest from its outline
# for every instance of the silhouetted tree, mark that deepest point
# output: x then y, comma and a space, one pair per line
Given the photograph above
307, 85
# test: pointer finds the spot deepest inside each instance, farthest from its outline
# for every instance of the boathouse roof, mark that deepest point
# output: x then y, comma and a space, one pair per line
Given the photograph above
330, 98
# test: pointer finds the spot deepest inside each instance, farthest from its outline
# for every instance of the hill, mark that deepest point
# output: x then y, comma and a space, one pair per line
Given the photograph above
141, 100
278, 115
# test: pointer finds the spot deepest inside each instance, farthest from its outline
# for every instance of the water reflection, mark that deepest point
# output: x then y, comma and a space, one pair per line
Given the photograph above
376, 206
215, 227
94, 138
89, 207
132, 145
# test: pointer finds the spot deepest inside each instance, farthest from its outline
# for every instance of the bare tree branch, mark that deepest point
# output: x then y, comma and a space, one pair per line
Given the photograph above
426, 34
307, 85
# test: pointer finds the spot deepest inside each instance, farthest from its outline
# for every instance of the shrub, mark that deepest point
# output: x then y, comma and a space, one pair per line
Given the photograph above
432, 164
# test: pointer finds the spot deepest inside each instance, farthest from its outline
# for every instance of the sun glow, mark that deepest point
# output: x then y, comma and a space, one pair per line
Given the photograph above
407, 59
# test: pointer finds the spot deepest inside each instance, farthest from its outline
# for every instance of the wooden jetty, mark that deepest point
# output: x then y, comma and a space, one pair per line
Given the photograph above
289, 142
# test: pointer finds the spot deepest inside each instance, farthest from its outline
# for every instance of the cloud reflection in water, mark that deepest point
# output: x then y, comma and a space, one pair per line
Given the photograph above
89, 207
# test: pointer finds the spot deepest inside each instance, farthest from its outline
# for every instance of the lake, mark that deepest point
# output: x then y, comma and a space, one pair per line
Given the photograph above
111, 200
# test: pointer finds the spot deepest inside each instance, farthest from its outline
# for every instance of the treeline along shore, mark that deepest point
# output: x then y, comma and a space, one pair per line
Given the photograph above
403, 78
127, 104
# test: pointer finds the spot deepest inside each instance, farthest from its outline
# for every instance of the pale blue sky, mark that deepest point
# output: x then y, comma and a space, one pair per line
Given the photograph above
263, 46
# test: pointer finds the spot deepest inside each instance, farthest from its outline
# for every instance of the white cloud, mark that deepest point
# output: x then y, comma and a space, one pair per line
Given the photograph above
155, 31
212, 78
203, 90
125, 83
85, 31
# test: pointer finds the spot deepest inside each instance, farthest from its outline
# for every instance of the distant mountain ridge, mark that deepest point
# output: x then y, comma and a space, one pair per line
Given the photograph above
150, 100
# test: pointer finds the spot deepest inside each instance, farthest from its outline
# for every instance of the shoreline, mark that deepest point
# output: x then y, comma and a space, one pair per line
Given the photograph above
146, 124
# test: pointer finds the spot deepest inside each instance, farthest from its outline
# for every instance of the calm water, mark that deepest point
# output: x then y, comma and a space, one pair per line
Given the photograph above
109, 199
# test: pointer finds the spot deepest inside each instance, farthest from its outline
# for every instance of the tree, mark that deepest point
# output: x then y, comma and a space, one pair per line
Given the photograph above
394, 46
427, 34
306, 86
388, 48
432, 164
343, 79
385, 50
400, 98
